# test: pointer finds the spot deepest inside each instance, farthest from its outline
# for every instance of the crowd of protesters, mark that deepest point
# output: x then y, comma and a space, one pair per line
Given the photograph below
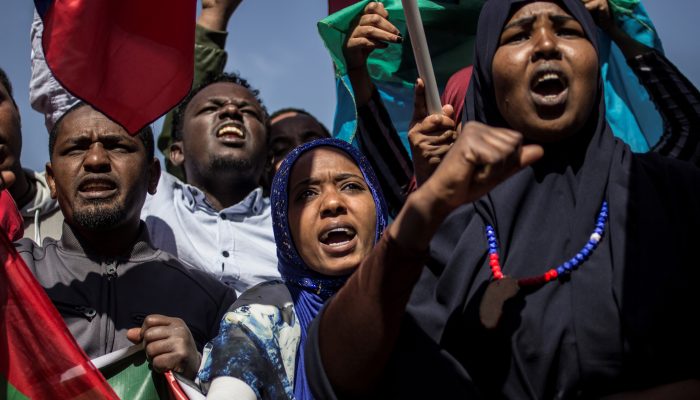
517, 249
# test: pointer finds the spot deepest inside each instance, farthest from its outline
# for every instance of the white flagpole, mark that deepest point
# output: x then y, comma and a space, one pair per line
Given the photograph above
422, 55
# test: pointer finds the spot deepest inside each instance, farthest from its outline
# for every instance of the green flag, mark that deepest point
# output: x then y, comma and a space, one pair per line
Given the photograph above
450, 27
131, 377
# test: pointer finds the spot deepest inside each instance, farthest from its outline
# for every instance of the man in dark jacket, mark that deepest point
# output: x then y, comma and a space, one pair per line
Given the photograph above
104, 275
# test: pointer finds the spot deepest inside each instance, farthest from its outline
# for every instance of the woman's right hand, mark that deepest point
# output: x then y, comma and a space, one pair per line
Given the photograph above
482, 157
373, 31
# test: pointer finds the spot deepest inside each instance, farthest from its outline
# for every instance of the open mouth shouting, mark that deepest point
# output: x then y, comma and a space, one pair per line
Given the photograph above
549, 87
338, 239
97, 188
231, 133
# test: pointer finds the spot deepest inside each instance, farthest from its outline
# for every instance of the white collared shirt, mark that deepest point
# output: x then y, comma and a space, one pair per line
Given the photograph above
236, 244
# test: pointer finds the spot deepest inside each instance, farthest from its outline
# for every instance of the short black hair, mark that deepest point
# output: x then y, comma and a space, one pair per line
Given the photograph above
230, 77
145, 134
5, 81
299, 111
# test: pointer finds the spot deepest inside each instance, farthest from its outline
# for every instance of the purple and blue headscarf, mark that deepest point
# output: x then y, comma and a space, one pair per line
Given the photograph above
311, 289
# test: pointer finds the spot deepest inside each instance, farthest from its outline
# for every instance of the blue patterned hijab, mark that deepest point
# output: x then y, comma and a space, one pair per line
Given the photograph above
311, 289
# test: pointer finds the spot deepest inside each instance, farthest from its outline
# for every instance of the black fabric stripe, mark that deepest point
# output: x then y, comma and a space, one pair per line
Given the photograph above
678, 102
380, 142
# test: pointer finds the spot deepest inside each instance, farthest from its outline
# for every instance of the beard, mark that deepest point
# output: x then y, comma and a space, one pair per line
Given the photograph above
227, 163
99, 216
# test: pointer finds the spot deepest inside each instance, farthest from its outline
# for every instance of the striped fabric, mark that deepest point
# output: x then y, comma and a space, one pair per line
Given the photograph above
382, 145
678, 101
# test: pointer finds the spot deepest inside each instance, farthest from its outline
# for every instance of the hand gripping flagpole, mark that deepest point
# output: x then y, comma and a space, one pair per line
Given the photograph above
422, 55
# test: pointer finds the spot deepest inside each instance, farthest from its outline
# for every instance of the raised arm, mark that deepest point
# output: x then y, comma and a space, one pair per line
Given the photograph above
209, 59
374, 299
678, 102
676, 98
376, 134
372, 31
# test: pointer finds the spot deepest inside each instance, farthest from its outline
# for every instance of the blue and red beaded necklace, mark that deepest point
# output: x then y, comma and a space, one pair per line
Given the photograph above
504, 287
553, 273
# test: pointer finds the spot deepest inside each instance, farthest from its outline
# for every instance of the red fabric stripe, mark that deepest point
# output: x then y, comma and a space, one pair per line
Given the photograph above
11, 221
131, 59
38, 354
176, 392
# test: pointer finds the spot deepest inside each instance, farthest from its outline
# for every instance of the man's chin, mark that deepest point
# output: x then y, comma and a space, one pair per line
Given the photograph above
228, 163
99, 217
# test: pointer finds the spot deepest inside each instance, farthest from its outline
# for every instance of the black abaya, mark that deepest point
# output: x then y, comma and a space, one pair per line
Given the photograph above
624, 320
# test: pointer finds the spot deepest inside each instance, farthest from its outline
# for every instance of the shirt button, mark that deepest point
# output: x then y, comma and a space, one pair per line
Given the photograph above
224, 253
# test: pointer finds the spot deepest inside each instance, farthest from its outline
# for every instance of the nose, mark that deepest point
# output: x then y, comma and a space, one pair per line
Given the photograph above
230, 111
97, 159
546, 45
332, 204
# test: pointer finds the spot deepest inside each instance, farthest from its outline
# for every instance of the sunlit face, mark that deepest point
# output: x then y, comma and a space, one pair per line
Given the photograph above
98, 172
545, 73
223, 128
332, 215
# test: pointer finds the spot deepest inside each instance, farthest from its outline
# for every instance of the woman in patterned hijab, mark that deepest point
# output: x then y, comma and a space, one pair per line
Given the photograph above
328, 212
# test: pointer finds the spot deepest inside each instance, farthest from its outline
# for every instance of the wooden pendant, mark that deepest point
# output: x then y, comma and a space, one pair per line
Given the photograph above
495, 296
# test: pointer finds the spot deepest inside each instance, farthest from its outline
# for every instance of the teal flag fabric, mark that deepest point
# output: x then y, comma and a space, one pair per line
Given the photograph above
450, 28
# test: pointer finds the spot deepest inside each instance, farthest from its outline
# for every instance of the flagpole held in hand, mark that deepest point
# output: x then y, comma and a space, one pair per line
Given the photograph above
422, 55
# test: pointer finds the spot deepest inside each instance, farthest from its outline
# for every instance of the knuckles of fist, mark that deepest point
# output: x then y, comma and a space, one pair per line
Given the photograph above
169, 345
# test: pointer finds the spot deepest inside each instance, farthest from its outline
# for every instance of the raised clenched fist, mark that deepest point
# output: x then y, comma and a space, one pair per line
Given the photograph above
482, 157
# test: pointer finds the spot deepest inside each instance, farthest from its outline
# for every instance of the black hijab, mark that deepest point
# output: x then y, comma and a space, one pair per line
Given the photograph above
612, 325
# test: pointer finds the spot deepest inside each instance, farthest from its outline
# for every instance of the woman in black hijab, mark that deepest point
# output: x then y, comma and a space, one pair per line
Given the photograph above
572, 278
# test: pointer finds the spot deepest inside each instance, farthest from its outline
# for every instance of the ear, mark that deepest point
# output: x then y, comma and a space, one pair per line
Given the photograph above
268, 172
154, 176
176, 155
270, 163
50, 180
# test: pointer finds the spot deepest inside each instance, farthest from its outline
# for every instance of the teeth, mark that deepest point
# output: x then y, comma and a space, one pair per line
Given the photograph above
548, 76
347, 231
230, 129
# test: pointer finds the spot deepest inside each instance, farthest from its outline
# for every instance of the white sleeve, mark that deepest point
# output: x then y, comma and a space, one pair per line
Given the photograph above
228, 387
45, 93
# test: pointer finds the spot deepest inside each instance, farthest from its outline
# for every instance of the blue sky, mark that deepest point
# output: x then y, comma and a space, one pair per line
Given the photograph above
275, 45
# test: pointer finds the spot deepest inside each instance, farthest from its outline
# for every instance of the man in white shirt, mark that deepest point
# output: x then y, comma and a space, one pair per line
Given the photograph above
219, 220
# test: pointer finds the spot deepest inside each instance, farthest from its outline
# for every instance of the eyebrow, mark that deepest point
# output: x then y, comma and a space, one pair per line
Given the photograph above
109, 137
525, 21
313, 181
561, 19
223, 100
521, 22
